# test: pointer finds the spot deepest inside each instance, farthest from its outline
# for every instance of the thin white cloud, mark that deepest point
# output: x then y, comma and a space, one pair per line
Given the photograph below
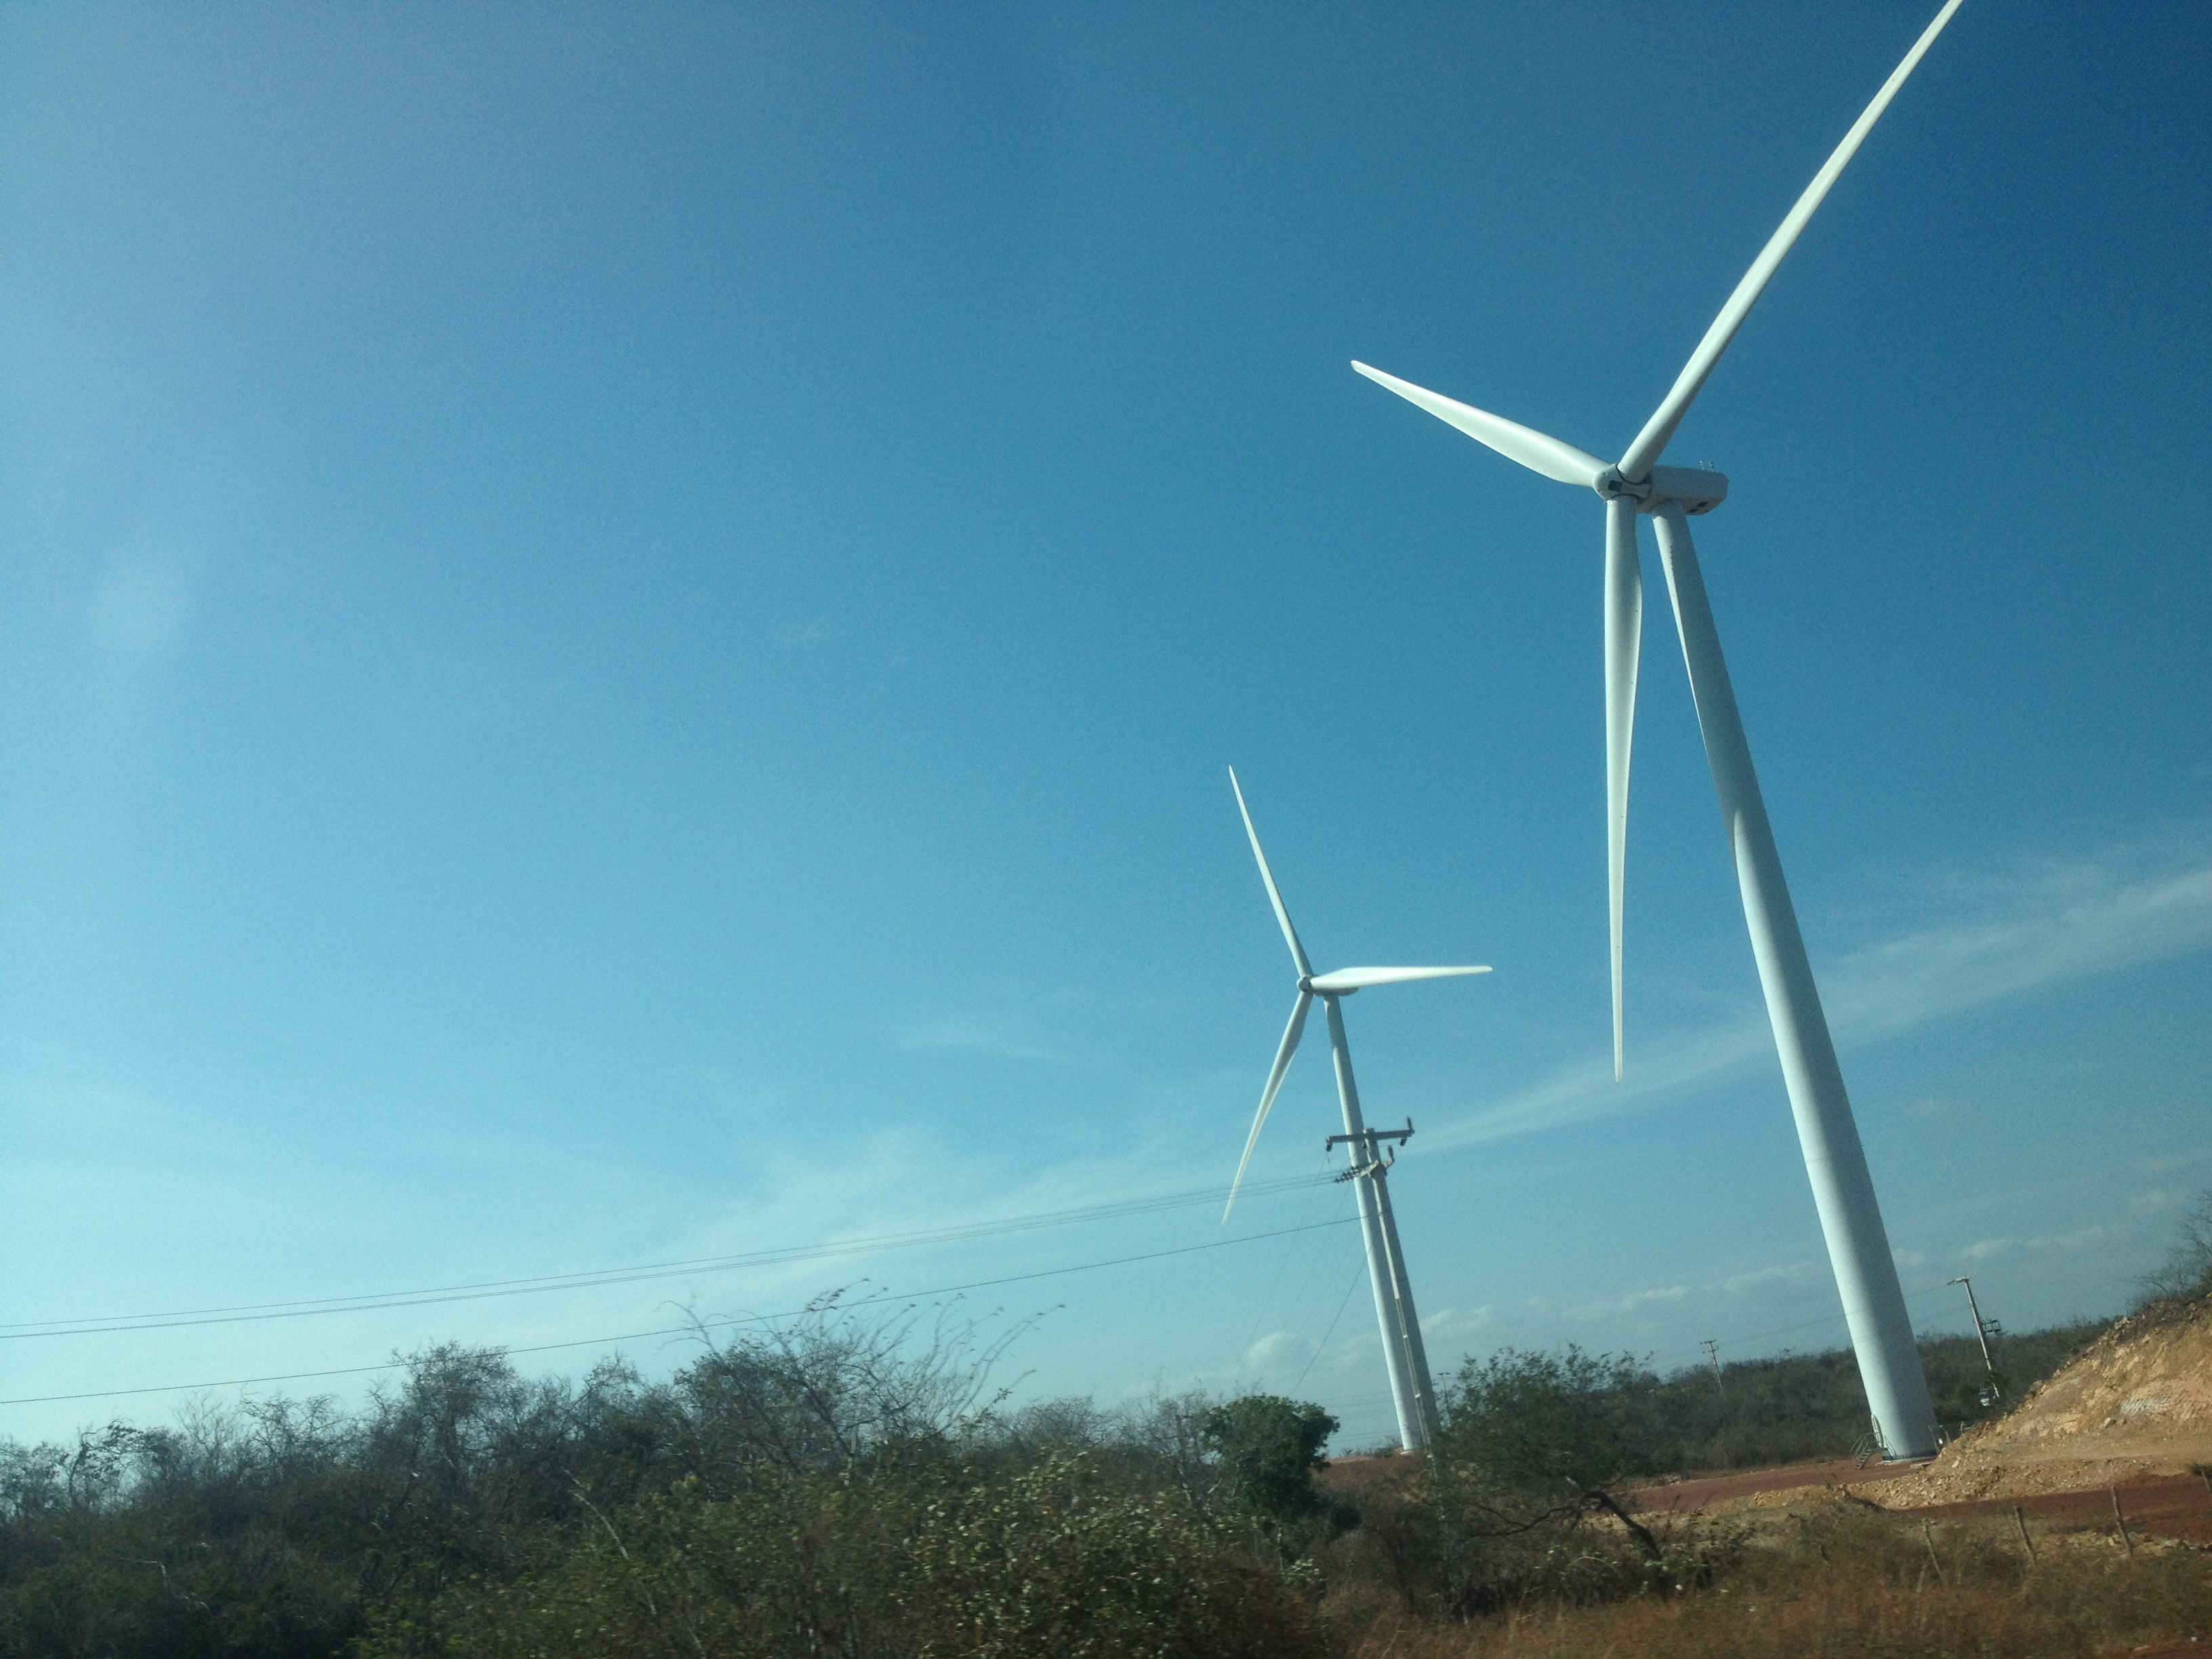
2046, 925
2167, 1163
2065, 1243
1453, 1324
1787, 1272
1278, 1350
811, 630
1282, 1362
997, 1036
1634, 1302
2058, 923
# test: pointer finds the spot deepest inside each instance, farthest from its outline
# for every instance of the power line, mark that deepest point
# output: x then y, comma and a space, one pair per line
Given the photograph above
489, 1289
1316, 1257
1313, 1357
697, 1328
1283, 1260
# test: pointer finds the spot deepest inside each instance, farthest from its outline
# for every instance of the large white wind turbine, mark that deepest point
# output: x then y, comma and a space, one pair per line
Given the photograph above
1411, 1391
1858, 1245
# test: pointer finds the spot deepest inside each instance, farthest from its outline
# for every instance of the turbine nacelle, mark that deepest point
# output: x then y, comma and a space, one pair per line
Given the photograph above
1693, 489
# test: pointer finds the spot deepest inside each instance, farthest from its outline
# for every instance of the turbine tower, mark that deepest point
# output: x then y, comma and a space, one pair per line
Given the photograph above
1411, 1390
1843, 1190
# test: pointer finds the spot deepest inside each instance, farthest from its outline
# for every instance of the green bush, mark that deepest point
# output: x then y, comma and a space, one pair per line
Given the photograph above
1269, 1450
1546, 1428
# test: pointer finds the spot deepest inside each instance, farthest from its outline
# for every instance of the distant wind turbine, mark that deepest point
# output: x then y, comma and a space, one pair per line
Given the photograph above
1411, 1391
1858, 1244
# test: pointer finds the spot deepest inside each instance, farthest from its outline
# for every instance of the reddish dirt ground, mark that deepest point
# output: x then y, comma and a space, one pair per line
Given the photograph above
1348, 1476
1678, 1495
2156, 1506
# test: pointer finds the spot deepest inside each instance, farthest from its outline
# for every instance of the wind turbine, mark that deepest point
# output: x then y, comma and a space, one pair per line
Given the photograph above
1842, 1191
1411, 1391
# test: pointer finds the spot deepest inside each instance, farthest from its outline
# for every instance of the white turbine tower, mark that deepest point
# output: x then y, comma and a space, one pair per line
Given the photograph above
1858, 1245
1411, 1391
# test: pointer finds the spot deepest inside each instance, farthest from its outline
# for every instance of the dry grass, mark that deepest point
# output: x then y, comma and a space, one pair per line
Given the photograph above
1852, 1587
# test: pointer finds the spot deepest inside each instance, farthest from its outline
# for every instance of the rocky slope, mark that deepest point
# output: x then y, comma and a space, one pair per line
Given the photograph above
2137, 1400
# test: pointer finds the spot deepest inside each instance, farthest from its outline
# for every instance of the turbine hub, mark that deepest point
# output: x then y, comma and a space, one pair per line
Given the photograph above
1612, 486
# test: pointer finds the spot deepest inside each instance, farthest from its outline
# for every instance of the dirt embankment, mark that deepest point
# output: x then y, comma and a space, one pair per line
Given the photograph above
2137, 1401
2133, 1409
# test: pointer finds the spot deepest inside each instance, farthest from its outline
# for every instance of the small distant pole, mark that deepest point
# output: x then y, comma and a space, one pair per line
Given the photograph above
1713, 1353
1981, 1336
2120, 1517
1928, 1533
2020, 1519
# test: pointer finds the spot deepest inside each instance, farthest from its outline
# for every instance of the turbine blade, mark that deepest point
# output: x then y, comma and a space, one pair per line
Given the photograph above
1649, 442
1537, 451
1358, 978
1274, 897
1291, 1036
1624, 638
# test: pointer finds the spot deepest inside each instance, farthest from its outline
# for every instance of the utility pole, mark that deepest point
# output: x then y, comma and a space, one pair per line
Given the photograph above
1981, 1336
1416, 1412
1713, 1353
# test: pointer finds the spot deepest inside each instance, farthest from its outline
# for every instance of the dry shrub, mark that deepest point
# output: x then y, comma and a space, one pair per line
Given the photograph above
885, 1564
1440, 1546
1860, 1587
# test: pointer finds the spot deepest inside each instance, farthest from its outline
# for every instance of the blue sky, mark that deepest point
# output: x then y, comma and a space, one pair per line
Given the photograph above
620, 633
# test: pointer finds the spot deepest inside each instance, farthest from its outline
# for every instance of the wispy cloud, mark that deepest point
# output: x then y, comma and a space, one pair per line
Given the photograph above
1278, 1351
2065, 1243
1787, 1272
1449, 1325
997, 1036
1283, 1361
810, 630
2054, 923
1936, 1109
1634, 1302
2037, 927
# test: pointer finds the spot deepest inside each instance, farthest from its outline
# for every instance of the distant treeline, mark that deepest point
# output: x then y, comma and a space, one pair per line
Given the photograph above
1794, 1407
848, 1483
